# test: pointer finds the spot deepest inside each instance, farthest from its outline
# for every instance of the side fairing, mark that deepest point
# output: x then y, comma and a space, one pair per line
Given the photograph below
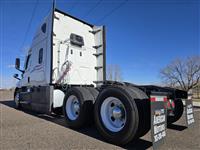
100, 46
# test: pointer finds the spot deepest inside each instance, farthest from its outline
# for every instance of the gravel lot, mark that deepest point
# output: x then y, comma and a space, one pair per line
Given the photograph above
27, 130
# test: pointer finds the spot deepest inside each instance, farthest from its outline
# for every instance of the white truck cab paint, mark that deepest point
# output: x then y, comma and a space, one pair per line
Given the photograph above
64, 51
56, 58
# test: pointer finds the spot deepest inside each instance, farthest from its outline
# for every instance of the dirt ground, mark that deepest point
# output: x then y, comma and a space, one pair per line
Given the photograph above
27, 130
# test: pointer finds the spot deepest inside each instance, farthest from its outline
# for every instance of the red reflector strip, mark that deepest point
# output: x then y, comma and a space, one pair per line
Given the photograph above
168, 104
173, 104
152, 99
165, 99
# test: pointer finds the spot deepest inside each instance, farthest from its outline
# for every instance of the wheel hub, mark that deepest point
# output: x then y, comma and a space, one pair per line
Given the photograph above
113, 114
117, 113
76, 106
72, 107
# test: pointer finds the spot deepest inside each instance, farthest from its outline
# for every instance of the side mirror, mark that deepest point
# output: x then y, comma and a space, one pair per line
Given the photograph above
17, 63
16, 76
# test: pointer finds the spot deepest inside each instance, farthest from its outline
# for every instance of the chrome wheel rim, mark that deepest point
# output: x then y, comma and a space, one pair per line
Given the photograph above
113, 114
72, 107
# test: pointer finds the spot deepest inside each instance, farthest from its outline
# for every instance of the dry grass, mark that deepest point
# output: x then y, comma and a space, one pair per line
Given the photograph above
6, 94
196, 100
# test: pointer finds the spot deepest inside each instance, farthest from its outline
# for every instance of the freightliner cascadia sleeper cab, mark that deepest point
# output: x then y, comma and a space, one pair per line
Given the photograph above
65, 73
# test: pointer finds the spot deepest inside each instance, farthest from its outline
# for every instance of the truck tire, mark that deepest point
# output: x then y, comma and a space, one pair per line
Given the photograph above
143, 105
144, 126
178, 111
93, 92
17, 100
116, 114
77, 107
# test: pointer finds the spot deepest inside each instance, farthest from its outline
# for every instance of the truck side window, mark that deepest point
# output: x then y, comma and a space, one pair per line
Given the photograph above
40, 56
27, 61
43, 28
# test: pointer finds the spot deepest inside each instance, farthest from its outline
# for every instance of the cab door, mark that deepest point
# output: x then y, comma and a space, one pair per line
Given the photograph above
27, 67
37, 72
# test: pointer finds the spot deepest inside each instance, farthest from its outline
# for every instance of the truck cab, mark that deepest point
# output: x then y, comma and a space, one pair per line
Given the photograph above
65, 50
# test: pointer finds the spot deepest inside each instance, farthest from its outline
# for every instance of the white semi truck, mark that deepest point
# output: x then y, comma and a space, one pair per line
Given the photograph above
65, 73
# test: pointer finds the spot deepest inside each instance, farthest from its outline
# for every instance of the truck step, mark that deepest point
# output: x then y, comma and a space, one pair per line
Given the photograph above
26, 92
97, 46
98, 54
25, 102
95, 31
99, 67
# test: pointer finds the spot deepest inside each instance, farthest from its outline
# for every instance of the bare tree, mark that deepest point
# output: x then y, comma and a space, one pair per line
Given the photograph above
114, 73
184, 74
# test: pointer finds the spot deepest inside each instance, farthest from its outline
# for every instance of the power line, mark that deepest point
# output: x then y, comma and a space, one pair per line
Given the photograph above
29, 24
93, 8
112, 11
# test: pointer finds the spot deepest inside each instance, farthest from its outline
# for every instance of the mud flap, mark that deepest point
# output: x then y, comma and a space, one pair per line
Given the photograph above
158, 118
189, 111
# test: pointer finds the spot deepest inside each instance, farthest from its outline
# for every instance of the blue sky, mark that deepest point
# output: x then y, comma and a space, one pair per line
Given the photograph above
143, 36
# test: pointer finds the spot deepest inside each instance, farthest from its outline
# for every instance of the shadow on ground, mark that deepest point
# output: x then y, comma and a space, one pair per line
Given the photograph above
176, 127
89, 131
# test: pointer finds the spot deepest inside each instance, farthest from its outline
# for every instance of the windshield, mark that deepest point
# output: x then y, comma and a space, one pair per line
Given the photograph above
27, 62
